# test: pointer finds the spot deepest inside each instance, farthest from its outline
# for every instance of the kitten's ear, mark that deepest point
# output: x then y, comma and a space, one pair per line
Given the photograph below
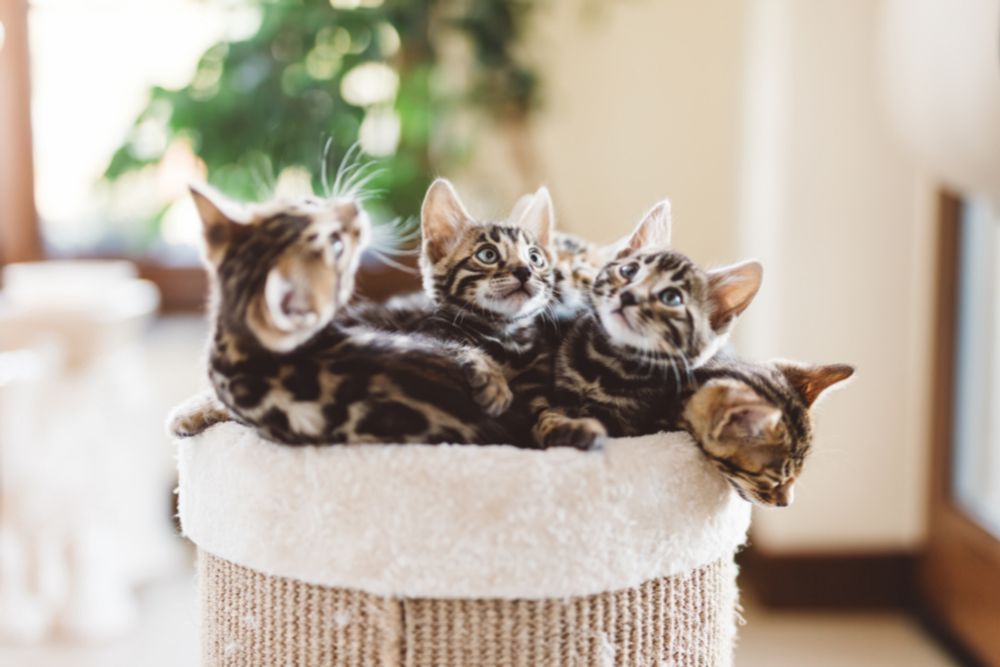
729, 411
652, 232
520, 206
747, 421
221, 220
442, 216
810, 381
539, 216
732, 289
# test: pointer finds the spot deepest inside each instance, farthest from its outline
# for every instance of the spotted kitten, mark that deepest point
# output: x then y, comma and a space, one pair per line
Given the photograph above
577, 261
279, 361
492, 285
753, 422
656, 316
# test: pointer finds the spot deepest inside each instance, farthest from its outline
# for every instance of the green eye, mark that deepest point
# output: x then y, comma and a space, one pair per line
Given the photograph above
536, 257
488, 255
671, 297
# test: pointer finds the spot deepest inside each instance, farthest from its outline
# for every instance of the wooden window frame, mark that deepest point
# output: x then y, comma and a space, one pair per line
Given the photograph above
959, 570
20, 240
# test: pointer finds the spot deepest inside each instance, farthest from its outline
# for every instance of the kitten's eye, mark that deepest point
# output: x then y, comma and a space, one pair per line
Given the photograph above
336, 244
536, 257
488, 255
671, 297
629, 270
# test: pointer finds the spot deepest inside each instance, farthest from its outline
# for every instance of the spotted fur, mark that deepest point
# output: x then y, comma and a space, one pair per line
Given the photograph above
492, 286
753, 421
655, 317
281, 363
577, 262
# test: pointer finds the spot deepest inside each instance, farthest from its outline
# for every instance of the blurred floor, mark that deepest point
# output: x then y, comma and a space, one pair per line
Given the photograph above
167, 637
789, 638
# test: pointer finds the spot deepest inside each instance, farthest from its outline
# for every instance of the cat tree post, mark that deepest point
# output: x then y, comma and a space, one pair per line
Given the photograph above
459, 555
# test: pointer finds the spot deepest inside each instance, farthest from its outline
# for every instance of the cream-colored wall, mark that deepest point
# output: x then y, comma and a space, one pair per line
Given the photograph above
762, 121
843, 220
640, 102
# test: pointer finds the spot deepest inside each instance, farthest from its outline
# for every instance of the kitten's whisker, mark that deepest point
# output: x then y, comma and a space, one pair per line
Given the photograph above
324, 175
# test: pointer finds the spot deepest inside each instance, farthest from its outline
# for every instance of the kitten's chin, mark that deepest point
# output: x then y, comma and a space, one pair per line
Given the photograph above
512, 305
621, 331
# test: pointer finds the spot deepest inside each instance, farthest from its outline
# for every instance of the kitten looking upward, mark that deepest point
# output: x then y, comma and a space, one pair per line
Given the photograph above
492, 285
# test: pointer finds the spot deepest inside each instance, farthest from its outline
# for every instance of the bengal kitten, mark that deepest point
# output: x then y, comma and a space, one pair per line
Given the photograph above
492, 284
577, 261
753, 422
656, 316
279, 362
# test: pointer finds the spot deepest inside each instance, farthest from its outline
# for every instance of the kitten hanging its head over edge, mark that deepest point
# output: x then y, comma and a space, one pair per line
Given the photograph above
753, 421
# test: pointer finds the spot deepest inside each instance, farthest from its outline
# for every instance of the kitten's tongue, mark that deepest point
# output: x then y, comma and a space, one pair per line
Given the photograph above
289, 308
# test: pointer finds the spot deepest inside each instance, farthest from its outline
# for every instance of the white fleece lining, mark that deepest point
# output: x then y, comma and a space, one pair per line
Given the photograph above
453, 521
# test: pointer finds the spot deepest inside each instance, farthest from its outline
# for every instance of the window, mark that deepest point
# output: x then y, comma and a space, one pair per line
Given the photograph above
92, 64
976, 462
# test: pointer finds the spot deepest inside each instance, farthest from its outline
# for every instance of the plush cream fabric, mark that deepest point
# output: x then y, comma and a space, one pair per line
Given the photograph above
458, 521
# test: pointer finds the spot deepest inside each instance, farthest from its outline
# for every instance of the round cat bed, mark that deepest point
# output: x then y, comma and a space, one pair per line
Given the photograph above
460, 555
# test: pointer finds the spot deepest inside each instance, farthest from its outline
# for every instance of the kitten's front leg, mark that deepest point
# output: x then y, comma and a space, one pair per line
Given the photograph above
556, 429
487, 381
197, 414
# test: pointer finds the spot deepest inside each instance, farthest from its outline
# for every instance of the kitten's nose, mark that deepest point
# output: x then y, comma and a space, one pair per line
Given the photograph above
628, 299
347, 210
522, 273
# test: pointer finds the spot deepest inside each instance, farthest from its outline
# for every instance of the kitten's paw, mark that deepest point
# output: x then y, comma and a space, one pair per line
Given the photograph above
584, 433
196, 415
488, 384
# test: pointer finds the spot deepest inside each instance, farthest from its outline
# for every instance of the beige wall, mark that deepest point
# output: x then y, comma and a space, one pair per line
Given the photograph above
842, 219
763, 122
641, 102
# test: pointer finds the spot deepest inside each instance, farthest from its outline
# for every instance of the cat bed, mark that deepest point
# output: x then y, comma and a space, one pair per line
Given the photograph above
460, 555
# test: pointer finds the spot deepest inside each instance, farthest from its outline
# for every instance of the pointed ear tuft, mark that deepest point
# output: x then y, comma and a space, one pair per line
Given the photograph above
221, 220
442, 216
539, 217
732, 289
810, 381
653, 231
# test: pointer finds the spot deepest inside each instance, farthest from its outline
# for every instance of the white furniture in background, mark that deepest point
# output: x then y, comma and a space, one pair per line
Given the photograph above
85, 501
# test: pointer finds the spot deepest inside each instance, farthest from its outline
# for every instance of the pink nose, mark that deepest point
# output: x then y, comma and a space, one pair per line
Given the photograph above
347, 210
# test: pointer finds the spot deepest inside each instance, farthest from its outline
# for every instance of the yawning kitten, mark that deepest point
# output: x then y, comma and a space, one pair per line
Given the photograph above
280, 363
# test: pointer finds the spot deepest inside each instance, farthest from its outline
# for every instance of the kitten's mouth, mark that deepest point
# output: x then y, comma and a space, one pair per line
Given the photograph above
521, 291
623, 317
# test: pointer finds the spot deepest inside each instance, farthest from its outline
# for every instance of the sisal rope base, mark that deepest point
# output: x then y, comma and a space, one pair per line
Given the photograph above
250, 619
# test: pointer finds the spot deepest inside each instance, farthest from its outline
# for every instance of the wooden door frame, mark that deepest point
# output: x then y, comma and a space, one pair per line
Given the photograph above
959, 569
